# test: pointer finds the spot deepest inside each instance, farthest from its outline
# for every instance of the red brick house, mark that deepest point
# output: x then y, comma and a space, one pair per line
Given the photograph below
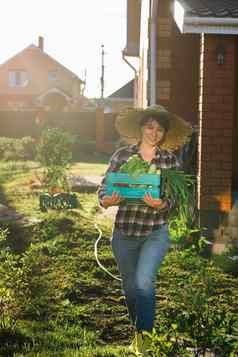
187, 53
32, 79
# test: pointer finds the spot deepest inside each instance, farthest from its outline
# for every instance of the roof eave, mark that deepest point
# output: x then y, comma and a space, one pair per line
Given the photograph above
210, 29
196, 24
212, 25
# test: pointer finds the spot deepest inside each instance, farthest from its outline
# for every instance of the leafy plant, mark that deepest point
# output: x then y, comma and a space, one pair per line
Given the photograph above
180, 188
17, 149
201, 300
176, 186
135, 166
54, 152
28, 148
209, 325
167, 342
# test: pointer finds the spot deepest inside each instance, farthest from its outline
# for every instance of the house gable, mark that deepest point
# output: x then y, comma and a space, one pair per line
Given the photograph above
41, 73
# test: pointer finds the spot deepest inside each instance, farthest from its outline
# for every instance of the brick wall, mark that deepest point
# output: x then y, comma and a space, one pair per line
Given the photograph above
89, 126
216, 120
106, 135
177, 66
17, 124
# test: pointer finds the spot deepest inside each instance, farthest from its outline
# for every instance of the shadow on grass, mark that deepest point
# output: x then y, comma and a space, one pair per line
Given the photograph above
12, 220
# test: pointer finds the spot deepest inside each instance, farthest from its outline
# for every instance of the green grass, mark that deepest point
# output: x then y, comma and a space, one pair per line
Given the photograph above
87, 169
83, 352
95, 166
77, 309
90, 164
79, 306
16, 178
58, 302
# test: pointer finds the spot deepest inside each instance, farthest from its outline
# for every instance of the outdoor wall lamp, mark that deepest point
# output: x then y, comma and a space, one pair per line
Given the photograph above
220, 53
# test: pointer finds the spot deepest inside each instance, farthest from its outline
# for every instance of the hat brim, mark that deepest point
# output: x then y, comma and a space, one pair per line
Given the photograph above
128, 126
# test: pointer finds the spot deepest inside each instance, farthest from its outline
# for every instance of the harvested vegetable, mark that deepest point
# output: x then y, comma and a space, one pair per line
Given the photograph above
176, 186
135, 166
180, 187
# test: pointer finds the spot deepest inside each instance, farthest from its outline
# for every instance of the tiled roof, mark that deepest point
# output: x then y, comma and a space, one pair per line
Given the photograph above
33, 47
124, 92
211, 8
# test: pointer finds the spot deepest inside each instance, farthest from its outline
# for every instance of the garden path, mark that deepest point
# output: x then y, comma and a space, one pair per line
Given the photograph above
109, 212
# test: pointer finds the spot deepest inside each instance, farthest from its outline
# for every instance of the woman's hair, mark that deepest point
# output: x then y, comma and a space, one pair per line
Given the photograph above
161, 118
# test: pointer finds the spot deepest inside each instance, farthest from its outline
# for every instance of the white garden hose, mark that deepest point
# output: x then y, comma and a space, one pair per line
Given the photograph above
96, 254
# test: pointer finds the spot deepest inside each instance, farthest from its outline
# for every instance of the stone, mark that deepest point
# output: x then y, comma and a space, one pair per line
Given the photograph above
11, 216
233, 216
8, 214
221, 240
83, 184
36, 185
3, 208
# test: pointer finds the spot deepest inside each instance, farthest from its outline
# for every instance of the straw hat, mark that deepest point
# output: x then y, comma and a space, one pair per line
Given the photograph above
128, 126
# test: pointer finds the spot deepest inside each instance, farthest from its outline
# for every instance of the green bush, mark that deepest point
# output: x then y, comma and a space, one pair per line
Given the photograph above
167, 342
17, 149
28, 148
54, 152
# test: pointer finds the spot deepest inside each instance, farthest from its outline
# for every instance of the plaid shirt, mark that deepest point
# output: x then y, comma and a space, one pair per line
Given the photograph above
136, 219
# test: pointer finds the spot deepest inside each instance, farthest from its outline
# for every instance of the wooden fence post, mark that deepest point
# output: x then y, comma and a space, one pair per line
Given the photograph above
100, 132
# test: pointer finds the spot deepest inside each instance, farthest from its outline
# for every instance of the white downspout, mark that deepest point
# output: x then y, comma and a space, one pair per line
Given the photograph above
153, 51
135, 78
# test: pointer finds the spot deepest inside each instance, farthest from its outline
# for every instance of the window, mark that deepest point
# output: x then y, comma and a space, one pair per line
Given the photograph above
18, 78
52, 75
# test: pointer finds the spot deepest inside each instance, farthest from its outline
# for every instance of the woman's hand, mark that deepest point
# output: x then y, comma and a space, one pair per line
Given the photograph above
156, 203
112, 200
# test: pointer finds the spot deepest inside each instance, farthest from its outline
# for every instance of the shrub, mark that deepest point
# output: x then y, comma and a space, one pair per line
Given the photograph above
54, 152
167, 342
17, 149
7, 148
28, 148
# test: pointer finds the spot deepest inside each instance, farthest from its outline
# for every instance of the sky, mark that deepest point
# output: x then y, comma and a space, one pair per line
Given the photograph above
73, 31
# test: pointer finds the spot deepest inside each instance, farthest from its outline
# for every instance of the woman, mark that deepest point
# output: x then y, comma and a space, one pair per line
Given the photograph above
140, 237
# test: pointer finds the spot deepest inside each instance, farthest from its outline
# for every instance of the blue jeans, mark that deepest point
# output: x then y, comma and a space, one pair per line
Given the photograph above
138, 260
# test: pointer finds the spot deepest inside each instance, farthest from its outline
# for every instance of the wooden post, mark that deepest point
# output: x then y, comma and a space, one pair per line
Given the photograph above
100, 133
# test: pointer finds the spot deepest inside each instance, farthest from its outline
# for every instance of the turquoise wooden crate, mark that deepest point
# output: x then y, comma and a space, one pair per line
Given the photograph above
129, 187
